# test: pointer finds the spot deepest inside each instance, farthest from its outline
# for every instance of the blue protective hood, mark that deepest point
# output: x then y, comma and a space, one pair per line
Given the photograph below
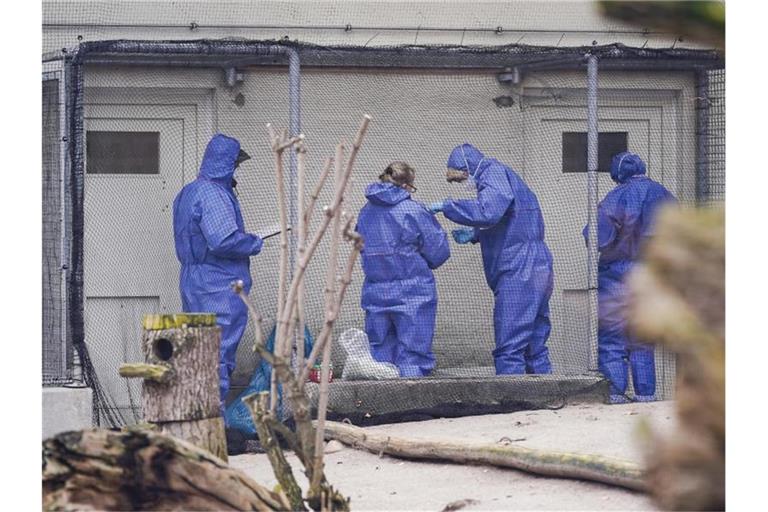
465, 157
625, 165
385, 193
219, 159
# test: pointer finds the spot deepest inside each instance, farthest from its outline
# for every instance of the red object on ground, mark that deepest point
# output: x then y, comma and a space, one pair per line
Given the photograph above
316, 372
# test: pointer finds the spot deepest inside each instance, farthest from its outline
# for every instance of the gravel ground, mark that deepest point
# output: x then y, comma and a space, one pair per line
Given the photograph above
387, 483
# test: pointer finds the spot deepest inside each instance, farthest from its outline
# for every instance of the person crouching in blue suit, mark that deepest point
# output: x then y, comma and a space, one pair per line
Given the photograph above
403, 244
214, 248
507, 221
625, 220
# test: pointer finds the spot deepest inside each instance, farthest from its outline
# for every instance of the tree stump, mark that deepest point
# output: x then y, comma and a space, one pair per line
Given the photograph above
180, 392
141, 470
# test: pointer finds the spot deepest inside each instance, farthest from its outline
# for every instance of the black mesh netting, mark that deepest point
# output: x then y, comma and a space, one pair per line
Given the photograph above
141, 113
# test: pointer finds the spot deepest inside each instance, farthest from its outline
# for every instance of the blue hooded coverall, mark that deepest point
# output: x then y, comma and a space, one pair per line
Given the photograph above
214, 249
518, 265
624, 221
403, 244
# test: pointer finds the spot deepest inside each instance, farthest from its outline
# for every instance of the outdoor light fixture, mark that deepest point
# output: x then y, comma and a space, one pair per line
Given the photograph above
233, 77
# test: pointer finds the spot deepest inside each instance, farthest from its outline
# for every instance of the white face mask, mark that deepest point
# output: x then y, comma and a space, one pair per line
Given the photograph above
471, 183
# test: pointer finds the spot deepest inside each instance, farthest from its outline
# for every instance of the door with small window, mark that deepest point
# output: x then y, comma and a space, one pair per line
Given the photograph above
136, 160
555, 145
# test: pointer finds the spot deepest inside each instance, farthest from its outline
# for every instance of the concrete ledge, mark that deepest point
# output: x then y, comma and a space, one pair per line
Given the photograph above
66, 409
391, 401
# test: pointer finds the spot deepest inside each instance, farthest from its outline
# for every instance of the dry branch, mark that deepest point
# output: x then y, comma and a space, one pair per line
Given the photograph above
562, 465
306, 442
258, 403
279, 144
154, 372
301, 156
239, 288
346, 279
330, 305
316, 192
298, 400
329, 211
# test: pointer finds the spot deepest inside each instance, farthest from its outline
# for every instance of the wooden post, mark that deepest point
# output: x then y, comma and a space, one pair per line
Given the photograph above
185, 402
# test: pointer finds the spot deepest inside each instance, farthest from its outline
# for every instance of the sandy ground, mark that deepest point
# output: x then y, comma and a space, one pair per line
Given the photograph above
387, 483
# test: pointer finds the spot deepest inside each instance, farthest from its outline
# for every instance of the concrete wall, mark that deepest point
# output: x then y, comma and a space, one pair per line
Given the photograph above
346, 22
66, 409
418, 116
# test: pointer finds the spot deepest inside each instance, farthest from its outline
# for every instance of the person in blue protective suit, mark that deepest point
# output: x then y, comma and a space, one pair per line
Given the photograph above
507, 222
403, 244
624, 221
213, 247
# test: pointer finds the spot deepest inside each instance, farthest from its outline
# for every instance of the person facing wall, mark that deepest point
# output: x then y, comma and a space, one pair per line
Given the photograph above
625, 219
404, 243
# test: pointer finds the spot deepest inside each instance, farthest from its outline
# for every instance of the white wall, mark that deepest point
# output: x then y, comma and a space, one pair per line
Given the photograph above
371, 22
418, 116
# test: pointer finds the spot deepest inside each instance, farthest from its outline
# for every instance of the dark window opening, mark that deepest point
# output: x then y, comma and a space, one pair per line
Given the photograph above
575, 150
122, 152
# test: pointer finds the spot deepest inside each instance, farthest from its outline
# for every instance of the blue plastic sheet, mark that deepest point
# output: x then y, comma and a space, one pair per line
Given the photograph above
237, 415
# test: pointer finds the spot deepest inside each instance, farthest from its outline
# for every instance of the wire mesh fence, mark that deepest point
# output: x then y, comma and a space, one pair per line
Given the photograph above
57, 351
142, 113
716, 136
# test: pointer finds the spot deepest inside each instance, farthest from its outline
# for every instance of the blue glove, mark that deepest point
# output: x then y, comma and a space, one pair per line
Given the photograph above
437, 207
463, 236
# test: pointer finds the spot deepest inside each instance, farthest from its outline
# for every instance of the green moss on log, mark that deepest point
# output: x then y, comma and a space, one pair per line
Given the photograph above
178, 320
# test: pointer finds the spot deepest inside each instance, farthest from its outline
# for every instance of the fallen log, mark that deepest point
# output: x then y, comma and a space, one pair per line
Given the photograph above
555, 464
141, 470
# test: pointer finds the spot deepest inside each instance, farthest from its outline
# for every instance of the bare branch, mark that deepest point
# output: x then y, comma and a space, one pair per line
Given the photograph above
301, 267
330, 305
328, 325
257, 403
281, 333
301, 156
316, 192
238, 288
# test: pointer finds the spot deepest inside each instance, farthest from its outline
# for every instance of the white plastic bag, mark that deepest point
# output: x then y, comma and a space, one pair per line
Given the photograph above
359, 364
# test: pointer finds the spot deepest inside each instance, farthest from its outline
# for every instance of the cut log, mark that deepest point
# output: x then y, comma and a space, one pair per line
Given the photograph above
140, 470
180, 392
192, 353
205, 433
563, 465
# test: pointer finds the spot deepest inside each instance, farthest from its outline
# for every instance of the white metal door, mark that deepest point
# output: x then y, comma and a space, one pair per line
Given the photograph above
650, 133
130, 264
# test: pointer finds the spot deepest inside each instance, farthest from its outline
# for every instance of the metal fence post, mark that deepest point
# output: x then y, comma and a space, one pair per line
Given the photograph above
592, 164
